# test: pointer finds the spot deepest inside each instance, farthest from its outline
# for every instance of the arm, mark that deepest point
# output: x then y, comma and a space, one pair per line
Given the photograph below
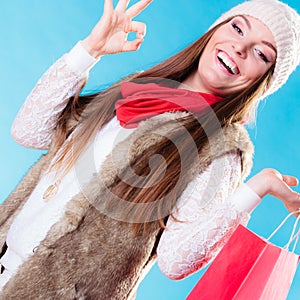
35, 123
207, 216
187, 246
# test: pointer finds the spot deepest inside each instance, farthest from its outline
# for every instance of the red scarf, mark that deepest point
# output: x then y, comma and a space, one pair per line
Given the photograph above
142, 101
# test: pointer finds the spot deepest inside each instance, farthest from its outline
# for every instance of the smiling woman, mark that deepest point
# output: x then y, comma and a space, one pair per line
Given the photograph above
151, 167
239, 53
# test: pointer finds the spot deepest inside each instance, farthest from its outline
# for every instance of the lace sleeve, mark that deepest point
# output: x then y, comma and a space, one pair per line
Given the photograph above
206, 219
33, 127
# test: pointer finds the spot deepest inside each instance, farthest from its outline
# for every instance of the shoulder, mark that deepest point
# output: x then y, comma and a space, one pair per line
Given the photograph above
237, 137
233, 138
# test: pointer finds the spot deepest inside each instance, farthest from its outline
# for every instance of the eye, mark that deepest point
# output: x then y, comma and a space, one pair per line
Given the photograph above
262, 56
237, 28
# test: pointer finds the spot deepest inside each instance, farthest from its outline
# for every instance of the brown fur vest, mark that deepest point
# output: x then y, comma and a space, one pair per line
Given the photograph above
88, 255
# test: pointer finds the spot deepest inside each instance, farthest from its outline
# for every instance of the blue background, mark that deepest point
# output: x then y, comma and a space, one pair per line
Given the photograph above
35, 33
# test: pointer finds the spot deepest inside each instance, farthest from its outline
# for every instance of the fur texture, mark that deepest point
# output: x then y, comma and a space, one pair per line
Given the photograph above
88, 255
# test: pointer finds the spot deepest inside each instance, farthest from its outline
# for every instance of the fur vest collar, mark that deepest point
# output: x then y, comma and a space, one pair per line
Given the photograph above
88, 254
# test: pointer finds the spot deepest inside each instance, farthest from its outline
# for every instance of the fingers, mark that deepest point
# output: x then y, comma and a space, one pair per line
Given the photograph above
134, 26
290, 180
279, 187
135, 9
108, 6
139, 28
122, 5
282, 191
132, 45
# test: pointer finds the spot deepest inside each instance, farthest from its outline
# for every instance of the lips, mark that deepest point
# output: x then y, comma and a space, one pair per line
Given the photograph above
228, 63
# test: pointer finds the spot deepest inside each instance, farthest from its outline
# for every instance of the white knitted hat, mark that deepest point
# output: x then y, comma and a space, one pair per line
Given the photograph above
284, 22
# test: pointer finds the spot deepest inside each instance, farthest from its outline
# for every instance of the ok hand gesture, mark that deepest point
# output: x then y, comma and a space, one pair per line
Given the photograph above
109, 35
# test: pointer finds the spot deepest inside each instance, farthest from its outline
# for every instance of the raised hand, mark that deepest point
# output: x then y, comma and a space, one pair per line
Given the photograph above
270, 181
109, 35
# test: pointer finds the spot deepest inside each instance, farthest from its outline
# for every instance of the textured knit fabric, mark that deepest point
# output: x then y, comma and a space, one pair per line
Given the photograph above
68, 223
79, 256
30, 130
37, 216
142, 101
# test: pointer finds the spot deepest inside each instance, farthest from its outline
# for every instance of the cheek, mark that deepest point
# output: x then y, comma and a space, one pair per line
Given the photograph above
256, 69
261, 73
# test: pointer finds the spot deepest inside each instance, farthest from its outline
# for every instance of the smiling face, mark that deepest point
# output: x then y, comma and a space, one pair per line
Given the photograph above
238, 54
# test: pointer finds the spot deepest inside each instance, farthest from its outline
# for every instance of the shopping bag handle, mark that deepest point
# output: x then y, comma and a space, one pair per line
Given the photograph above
293, 236
296, 236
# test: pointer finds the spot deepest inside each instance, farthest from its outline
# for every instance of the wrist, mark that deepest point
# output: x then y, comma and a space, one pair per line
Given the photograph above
245, 198
79, 60
88, 46
259, 184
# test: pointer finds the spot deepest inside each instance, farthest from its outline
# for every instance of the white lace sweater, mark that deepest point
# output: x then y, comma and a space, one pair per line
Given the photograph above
184, 246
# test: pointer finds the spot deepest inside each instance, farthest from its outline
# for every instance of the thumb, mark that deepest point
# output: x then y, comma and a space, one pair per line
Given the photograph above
290, 180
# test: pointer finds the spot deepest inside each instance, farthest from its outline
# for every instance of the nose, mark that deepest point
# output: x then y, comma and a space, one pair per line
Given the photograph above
240, 48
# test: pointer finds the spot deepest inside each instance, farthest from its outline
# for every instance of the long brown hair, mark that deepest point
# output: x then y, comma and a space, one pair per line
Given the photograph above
177, 68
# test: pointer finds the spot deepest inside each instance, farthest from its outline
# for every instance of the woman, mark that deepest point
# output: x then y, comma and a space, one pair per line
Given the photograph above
95, 239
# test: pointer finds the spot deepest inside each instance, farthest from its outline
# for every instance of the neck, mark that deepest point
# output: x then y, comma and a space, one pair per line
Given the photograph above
193, 83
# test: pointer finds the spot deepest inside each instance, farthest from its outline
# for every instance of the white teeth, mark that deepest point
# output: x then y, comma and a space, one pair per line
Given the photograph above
228, 63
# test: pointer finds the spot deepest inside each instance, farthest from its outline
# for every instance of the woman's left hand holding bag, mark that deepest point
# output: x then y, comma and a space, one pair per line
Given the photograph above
270, 181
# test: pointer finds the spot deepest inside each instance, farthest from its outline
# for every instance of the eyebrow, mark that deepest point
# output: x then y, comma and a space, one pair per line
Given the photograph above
246, 21
270, 45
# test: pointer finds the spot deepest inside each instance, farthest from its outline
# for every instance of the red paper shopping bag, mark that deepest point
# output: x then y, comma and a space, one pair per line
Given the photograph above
247, 268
